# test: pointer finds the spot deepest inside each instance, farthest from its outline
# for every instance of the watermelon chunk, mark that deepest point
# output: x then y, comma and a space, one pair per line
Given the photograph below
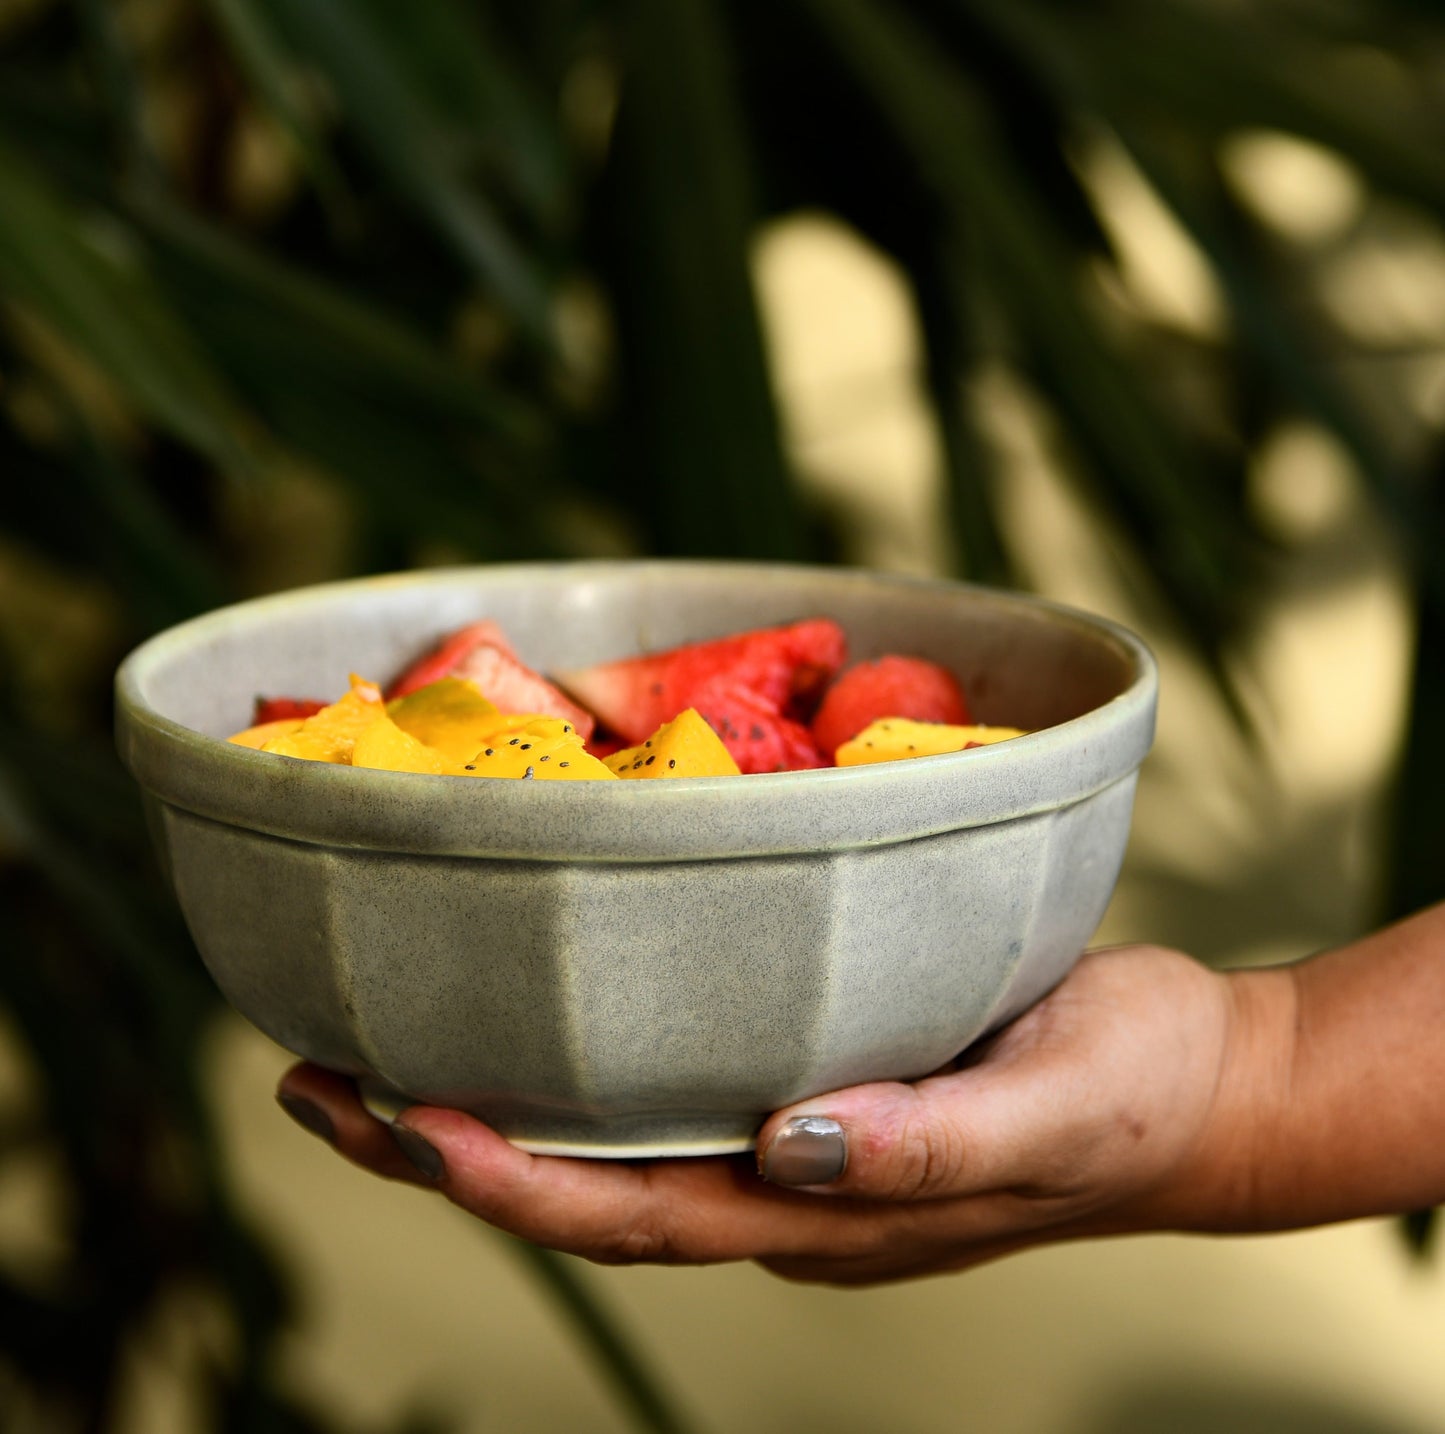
757, 735
481, 654
442, 660
282, 709
786, 667
890, 686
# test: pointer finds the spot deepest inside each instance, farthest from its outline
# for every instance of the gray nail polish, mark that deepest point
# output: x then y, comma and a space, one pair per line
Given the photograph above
308, 1114
808, 1150
419, 1150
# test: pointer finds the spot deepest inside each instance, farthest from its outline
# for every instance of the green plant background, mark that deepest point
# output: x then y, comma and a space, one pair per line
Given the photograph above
296, 288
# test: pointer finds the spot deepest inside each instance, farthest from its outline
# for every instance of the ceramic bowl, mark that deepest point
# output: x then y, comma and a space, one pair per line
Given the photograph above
638, 968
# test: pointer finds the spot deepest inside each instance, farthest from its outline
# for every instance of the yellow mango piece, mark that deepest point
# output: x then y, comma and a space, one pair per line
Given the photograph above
258, 736
545, 748
507, 725
450, 715
890, 739
330, 734
387, 748
684, 747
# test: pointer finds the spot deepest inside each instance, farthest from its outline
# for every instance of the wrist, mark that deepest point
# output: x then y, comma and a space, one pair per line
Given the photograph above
1231, 1180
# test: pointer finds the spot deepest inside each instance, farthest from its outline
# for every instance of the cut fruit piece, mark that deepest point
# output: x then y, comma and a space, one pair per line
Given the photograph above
481, 654
277, 709
545, 748
450, 715
444, 657
894, 738
786, 666
331, 734
759, 737
387, 748
890, 686
684, 747
264, 732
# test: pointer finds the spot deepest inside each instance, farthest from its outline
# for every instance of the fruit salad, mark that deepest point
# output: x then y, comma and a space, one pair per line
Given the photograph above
771, 700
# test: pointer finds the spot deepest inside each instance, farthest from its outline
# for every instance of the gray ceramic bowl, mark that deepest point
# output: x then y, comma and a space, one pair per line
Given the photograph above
638, 968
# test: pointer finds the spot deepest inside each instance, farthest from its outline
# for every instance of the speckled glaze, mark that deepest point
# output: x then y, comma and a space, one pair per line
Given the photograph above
638, 968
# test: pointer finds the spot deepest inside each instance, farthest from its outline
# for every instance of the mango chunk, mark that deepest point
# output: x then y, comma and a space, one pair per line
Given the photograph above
450, 715
258, 736
387, 748
890, 739
330, 735
684, 747
544, 748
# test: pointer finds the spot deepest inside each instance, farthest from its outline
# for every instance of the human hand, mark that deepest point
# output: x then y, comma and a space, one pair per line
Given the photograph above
1112, 1105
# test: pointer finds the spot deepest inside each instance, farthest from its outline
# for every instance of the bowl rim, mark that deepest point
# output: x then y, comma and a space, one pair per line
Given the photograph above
767, 814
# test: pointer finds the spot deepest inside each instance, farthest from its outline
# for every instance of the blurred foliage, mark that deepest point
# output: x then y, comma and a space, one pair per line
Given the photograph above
292, 288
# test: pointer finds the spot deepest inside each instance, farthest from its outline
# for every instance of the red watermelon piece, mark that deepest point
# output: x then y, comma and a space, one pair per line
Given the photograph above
889, 686
481, 653
759, 737
787, 667
442, 660
279, 709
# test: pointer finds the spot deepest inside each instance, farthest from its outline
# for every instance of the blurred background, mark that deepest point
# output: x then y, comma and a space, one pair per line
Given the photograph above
1140, 305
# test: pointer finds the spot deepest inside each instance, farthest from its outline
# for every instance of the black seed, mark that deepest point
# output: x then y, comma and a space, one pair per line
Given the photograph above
530, 772
514, 741
470, 768
560, 764
648, 743
489, 753
546, 758
565, 727
757, 733
526, 746
672, 761
650, 761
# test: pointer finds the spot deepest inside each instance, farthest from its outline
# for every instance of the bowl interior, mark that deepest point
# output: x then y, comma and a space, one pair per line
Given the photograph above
1021, 662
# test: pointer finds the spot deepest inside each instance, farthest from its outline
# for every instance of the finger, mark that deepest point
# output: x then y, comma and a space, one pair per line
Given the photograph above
966, 1133
676, 1211
888, 1266
328, 1106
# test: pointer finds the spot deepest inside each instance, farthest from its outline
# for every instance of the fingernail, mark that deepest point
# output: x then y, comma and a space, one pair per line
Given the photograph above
419, 1150
307, 1113
808, 1150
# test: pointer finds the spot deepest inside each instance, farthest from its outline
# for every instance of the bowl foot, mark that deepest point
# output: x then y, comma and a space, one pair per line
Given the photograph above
632, 1137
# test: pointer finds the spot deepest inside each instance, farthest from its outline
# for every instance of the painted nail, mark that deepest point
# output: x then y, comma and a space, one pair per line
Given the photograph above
808, 1150
307, 1113
419, 1150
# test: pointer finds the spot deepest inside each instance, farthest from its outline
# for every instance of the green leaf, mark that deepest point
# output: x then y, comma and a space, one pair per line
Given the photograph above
276, 76
1174, 63
432, 449
947, 314
1154, 479
121, 85
602, 1334
1266, 326
438, 109
1419, 1229
703, 451
83, 277
1417, 835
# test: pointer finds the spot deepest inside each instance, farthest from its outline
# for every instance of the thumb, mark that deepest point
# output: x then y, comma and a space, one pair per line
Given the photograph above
951, 1135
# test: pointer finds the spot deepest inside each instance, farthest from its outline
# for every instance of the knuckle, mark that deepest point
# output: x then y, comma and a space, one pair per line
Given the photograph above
645, 1241
928, 1158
